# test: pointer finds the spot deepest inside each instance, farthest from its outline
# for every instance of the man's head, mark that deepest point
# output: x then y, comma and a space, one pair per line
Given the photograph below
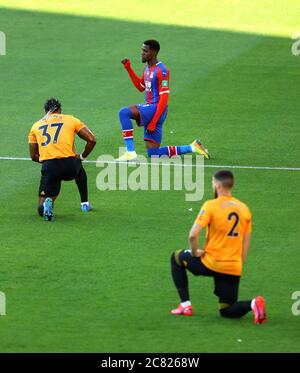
52, 105
222, 182
150, 49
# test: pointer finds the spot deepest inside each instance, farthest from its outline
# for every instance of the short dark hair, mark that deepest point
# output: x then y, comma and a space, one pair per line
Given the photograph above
52, 105
225, 177
152, 44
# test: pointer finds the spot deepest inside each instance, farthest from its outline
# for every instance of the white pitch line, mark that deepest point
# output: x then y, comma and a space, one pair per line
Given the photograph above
176, 165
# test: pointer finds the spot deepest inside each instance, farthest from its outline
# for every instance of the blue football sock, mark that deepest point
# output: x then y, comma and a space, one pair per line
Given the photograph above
127, 128
170, 150
183, 149
158, 151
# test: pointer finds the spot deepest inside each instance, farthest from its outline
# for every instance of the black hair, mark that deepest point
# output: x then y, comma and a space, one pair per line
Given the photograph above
52, 105
153, 45
225, 177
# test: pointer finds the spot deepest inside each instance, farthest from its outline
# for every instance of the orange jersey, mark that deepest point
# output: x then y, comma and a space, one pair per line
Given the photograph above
227, 220
55, 136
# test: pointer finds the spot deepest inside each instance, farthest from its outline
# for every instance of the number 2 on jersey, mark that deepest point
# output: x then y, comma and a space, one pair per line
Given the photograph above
48, 136
233, 215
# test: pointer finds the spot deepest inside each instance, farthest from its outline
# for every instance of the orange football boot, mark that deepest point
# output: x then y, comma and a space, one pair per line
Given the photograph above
186, 311
259, 310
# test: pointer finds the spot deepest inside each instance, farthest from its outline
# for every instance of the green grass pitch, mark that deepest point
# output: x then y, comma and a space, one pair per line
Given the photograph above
101, 281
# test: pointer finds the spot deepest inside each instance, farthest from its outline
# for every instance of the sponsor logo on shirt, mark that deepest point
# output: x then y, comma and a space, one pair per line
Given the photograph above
148, 86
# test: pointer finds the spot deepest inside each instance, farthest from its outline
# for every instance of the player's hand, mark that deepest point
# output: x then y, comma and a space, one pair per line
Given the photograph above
126, 62
198, 253
151, 127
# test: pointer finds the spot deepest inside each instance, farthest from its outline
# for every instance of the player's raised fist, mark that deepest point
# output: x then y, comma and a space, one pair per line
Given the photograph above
126, 62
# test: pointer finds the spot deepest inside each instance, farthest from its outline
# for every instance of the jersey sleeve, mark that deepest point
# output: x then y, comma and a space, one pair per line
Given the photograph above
32, 137
78, 125
205, 215
163, 78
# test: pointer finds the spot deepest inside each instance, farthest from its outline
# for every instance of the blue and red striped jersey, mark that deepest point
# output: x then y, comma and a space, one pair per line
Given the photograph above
155, 80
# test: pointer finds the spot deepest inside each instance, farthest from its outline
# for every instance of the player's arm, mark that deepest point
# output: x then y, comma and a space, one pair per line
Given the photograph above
163, 84
88, 136
136, 80
33, 146
246, 245
247, 236
194, 240
34, 152
203, 220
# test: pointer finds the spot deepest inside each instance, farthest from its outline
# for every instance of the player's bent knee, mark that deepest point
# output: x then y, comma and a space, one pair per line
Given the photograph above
224, 313
152, 151
175, 258
225, 310
40, 210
